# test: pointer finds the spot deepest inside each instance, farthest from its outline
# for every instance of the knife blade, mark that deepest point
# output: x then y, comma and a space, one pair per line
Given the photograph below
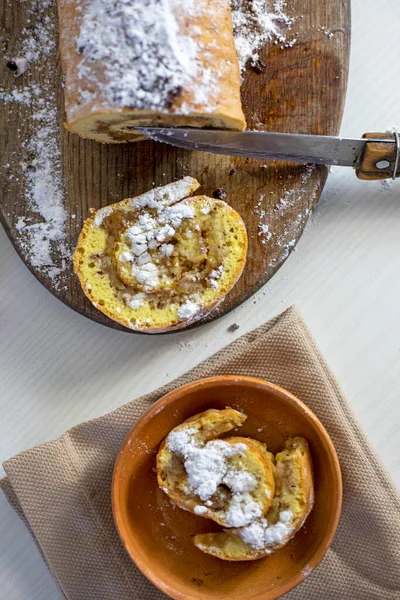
317, 149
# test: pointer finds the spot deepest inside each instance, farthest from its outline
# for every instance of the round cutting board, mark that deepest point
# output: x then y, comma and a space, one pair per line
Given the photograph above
300, 90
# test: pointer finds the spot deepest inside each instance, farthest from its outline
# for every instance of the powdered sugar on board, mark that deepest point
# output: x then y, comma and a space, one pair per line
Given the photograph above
291, 197
38, 161
37, 40
256, 22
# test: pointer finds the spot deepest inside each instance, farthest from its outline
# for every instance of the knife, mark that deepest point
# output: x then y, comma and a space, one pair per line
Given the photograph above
374, 156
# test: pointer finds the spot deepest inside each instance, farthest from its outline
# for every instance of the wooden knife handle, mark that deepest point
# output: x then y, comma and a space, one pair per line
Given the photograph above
378, 160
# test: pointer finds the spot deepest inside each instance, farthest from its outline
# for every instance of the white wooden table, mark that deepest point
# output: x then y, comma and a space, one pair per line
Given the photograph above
58, 368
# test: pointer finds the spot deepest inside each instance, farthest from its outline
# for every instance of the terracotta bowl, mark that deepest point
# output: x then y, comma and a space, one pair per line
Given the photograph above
158, 535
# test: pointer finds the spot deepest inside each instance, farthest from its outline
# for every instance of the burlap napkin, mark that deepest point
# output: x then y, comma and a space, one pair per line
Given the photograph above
62, 489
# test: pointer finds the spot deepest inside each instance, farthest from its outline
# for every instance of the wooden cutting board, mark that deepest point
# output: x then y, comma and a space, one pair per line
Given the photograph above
301, 90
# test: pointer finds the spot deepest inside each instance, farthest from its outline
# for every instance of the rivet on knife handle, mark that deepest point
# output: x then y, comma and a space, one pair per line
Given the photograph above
380, 160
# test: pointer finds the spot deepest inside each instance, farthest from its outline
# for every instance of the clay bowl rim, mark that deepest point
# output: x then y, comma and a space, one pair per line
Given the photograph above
133, 547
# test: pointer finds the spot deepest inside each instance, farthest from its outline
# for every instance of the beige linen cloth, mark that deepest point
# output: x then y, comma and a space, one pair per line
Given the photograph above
62, 488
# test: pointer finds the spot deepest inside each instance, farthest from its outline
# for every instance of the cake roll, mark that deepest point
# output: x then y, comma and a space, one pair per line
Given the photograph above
229, 480
163, 260
292, 503
131, 63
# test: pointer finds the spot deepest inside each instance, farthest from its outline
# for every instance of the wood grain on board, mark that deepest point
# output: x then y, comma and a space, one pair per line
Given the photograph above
301, 90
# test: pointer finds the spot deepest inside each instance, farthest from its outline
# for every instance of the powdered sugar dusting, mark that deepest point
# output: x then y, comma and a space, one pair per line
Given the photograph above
141, 53
38, 40
188, 310
306, 571
44, 188
292, 197
262, 535
135, 301
200, 510
101, 214
208, 466
215, 276
150, 232
254, 24
166, 195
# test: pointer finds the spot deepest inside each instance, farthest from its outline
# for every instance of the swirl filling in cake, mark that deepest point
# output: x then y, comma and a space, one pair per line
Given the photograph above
162, 259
